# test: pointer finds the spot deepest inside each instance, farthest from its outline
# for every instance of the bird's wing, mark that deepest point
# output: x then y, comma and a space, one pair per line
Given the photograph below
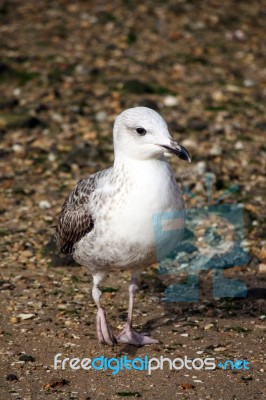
75, 219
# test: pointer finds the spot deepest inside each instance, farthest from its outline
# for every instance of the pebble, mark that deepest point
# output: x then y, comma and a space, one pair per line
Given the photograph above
262, 254
17, 92
26, 358
101, 116
26, 316
51, 157
220, 349
11, 378
239, 35
216, 150
249, 83
239, 146
44, 204
190, 143
170, 101
262, 269
247, 378
17, 148
26, 253
48, 218
200, 167
208, 326
184, 334
57, 117
199, 188
218, 96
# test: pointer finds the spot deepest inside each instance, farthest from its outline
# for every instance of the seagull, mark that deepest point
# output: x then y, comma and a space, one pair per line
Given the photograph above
106, 223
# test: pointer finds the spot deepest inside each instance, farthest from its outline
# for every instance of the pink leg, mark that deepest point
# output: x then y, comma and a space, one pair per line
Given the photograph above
104, 333
128, 334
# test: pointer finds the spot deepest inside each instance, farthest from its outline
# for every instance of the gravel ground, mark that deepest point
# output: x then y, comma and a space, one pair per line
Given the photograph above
66, 70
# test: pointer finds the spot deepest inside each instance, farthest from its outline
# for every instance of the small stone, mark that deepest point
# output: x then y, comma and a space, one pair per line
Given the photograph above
57, 117
239, 35
56, 383
189, 143
17, 92
262, 269
247, 378
216, 150
210, 347
26, 358
14, 320
48, 218
218, 96
239, 146
200, 167
170, 101
262, 255
199, 188
249, 83
51, 157
220, 349
184, 334
208, 326
17, 148
26, 316
232, 88
186, 386
11, 378
101, 116
44, 204
26, 253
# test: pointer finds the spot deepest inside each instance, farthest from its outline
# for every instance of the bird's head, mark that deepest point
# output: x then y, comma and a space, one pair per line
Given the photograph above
141, 133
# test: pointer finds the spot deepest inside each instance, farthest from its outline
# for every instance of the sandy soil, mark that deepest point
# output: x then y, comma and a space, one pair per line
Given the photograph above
66, 70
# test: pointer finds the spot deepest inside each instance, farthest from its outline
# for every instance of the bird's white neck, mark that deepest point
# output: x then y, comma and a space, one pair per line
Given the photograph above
138, 166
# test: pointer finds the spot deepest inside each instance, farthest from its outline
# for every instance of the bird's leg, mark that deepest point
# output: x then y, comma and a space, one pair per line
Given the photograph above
129, 335
103, 331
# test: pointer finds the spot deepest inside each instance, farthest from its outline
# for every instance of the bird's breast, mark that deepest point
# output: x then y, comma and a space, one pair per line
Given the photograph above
139, 203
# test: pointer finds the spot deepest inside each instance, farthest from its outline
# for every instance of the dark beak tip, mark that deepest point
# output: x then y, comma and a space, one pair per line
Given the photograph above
184, 154
180, 151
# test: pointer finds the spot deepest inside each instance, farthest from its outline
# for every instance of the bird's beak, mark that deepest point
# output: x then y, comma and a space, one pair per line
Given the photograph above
177, 149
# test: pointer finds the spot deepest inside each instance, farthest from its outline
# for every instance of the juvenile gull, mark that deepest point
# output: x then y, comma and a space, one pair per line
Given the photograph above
106, 222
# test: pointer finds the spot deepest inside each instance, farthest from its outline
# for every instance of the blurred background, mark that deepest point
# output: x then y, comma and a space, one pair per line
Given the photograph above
67, 69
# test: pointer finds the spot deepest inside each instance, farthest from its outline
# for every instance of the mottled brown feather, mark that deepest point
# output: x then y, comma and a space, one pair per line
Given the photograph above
75, 220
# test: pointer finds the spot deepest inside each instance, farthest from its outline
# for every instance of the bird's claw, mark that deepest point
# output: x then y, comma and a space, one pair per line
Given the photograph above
104, 333
130, 336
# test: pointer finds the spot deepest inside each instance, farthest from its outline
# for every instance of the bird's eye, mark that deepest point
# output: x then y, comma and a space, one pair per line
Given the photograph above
141, 131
